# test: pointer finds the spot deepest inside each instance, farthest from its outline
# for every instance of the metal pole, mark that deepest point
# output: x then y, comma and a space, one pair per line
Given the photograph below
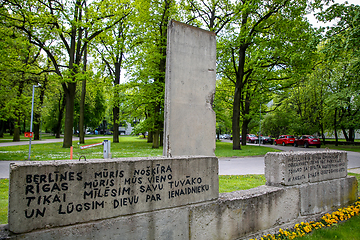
32, 114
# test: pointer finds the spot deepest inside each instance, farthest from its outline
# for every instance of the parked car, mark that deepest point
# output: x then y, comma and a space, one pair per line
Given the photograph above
251, 138
285, 140
265, 139
307, 140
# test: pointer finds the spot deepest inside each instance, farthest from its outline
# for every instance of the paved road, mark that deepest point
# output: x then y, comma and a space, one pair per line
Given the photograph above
256, 165
239, 166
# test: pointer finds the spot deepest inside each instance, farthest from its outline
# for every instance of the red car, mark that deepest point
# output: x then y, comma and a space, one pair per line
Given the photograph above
285, 139
307, 140
251, 138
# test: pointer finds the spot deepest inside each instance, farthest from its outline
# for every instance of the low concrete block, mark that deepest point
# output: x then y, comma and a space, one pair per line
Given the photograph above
293, 168
328, 195
239, 213
50, 194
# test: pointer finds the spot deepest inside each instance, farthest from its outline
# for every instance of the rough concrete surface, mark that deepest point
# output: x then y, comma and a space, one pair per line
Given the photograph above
189, 126
239, 213
327, 195
294, 168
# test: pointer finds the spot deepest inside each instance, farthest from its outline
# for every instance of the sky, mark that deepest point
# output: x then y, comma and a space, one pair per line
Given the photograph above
317, 24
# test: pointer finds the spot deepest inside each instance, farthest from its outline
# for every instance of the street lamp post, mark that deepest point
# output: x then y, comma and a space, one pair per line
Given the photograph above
32, 114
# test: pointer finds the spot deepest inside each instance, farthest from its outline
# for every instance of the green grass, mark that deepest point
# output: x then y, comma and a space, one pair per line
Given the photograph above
358, 179
231, 183
348, 230
4, 195
128, 146
343, 147
8, 138
224, 149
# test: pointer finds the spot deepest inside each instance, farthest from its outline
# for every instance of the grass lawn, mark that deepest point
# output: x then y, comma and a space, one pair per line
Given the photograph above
342, 147
128, 146
345, 230
4, 195
8, 138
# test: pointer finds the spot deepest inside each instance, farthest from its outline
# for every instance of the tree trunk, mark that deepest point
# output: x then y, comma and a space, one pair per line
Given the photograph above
36, 129
156, 132
116, 124
335, 128
236, 120
351, 135
345, 134
150, 137
82, 100
70, 91
162, 138
156, 139
16, 137
37, 117
62, 103
2, 128
237, 99
11, 127
82, 112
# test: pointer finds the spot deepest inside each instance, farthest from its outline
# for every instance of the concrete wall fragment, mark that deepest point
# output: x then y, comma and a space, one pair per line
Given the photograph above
189, 126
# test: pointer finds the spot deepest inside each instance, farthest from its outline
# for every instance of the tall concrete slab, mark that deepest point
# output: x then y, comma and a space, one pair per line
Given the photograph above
189, 91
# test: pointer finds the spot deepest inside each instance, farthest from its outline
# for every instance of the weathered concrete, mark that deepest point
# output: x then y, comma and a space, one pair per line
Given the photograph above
326, 196
302, 167
162, 224
58, 193
189, 126
240, 214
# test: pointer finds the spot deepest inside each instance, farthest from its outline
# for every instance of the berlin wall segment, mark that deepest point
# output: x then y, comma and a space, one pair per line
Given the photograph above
50, 194
190, 80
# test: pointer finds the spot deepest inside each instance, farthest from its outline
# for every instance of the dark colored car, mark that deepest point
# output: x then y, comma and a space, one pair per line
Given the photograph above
307, 140
265, 140
285, 140
251, 138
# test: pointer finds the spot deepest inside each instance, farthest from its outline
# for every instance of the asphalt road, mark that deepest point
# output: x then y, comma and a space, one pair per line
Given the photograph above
238, 166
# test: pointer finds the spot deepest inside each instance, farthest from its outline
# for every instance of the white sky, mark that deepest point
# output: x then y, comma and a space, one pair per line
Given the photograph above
317, 24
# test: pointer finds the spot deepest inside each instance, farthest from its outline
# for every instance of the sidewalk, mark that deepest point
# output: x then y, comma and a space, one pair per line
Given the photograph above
354, 170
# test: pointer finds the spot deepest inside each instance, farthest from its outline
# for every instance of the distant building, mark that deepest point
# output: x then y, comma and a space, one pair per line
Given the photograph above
125, 129
341, 135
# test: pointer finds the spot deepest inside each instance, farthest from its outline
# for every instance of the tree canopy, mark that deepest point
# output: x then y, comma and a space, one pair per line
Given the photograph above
269, 57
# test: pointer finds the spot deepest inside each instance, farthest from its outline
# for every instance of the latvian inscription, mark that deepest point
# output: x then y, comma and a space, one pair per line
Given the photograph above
45, 194
302, 167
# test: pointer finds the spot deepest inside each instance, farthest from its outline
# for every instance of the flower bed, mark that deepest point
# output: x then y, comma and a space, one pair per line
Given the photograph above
327, 220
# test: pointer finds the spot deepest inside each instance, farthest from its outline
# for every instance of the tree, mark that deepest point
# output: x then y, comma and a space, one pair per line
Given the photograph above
58, 29
115, 44
270, 41
149, 61
343, 53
